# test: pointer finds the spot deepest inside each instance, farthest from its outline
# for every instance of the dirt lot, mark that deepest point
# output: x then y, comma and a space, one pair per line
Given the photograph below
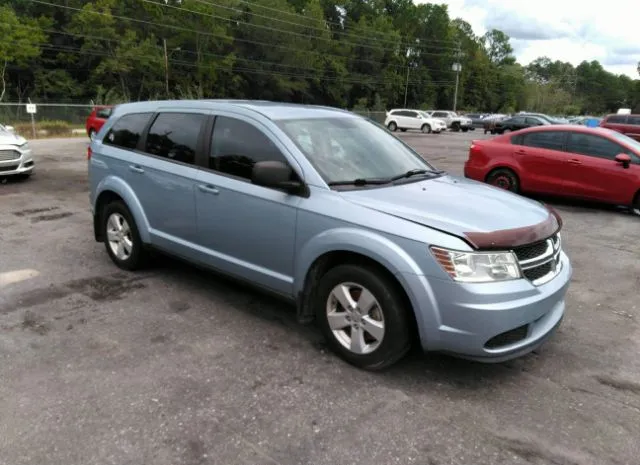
176, 366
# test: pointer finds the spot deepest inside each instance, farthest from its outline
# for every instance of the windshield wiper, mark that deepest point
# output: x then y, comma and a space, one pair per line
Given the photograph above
360, 182
414, 172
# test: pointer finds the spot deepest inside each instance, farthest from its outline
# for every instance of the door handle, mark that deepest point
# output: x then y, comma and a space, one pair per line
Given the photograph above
208, 189
136, 169
521, 152
574, 161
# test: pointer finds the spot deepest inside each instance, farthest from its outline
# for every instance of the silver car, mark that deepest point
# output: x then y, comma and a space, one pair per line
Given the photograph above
337, 215
15, 154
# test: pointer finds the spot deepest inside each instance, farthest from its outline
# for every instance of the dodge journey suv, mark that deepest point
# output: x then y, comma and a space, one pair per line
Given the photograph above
335, 213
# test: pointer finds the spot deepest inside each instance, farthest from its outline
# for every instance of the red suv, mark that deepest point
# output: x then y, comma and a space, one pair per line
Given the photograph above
629, 125
97, 118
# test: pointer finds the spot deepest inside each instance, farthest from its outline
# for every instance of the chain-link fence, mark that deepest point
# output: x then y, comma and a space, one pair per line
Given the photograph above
50, 119
377, 116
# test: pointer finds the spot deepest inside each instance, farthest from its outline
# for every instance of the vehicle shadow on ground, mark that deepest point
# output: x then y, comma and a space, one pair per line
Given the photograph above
416, 368
579, 206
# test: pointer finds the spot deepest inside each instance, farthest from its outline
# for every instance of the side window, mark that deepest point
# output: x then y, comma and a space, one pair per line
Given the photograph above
126, 132
617, 119
635, 120
549, 140
412, 114
175, 136
517, 139
533, 121
518, 120
236, 146
595, 146
103, 113
439, 114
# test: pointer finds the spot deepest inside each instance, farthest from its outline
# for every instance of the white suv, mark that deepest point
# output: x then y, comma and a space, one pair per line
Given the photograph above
454, 121
403, 119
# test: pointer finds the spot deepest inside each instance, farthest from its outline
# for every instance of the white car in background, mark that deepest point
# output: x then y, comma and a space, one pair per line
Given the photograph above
454, 121
15, 154
404, 118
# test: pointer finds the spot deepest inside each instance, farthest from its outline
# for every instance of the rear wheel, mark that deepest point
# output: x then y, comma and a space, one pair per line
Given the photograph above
392, 126
426, 128
504, 178
363, 316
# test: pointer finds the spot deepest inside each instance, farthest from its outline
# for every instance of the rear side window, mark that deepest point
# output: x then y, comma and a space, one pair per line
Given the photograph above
635, 120
412, 114
126, 132
549, 140
616, 119
595, 146
237, 146
175, 136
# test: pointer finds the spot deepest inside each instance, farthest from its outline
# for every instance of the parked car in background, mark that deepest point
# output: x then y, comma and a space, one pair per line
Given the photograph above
15, 154
515, 123
626, 124
371, 241
489, 123
97, 118
563, 160
404, 119
454, 121
549, 119
477, 119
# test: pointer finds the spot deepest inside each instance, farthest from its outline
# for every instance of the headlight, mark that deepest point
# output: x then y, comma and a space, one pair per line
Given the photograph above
24, 146
477, 267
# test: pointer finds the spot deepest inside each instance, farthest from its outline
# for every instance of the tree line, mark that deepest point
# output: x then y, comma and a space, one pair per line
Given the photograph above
373, 54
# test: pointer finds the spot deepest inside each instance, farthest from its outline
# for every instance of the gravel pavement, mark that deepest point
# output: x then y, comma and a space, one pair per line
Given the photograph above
177, 366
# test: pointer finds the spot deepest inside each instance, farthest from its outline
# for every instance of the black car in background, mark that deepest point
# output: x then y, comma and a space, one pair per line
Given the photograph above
518, 122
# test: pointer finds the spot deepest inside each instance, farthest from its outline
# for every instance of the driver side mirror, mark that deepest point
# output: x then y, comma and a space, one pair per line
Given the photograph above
623, 159
276, 175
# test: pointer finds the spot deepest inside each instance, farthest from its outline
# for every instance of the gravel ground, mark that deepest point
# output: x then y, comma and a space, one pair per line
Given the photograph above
177, 366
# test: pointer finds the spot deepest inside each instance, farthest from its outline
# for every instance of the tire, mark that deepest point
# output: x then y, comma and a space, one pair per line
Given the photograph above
635, 206
465, 129
455, 127
113, 216
504, 178
403, 129
388, 307
393, 127
426, 129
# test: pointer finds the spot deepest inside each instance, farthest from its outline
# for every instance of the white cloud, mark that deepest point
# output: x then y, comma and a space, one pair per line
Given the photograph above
566, 30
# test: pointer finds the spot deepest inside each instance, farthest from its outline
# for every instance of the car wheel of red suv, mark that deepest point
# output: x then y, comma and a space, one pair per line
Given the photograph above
504, 178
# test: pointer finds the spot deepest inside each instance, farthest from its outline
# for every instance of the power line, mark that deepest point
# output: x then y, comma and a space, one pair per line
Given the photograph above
268, 28
346, 80
279, 11
209, 34
348, 34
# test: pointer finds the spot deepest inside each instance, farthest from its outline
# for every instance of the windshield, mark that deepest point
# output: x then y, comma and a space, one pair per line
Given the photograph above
424, 114
343, 149
634, 144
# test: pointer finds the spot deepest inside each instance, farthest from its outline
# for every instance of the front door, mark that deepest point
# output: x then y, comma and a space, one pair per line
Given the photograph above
244, 229
595, 174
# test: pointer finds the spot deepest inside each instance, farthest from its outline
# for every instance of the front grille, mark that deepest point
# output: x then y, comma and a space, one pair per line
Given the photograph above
528, 252
540, 261
7, 155
8, 168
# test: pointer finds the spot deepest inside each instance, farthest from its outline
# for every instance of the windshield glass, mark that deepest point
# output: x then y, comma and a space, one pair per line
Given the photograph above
424, 114
344, 149
634, 144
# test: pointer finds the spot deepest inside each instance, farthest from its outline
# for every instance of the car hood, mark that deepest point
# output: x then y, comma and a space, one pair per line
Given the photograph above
6, 138
483, 215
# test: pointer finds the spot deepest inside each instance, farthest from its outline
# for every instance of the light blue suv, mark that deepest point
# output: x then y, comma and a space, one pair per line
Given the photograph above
332, 211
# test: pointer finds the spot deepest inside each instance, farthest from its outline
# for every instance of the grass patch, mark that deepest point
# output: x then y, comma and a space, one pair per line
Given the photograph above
49, 128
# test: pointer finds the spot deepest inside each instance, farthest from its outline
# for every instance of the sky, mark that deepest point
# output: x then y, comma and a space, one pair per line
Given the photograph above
565, 30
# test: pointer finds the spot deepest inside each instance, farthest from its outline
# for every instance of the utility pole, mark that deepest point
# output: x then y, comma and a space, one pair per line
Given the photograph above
406, 87
166, 67
457, 67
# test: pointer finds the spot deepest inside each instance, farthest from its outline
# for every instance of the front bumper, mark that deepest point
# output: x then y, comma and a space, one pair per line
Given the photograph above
490, 322
21, 163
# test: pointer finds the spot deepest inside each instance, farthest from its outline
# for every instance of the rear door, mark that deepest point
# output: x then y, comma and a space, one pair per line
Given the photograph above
542, 159
595, 174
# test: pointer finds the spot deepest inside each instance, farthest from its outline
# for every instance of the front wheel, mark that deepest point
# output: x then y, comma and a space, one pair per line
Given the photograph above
121, 237
455, 127
504, 178
363, 316
465, 129
426, 128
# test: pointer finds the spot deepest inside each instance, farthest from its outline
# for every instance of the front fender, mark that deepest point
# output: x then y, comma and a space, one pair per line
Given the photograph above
122, 189
367, 243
